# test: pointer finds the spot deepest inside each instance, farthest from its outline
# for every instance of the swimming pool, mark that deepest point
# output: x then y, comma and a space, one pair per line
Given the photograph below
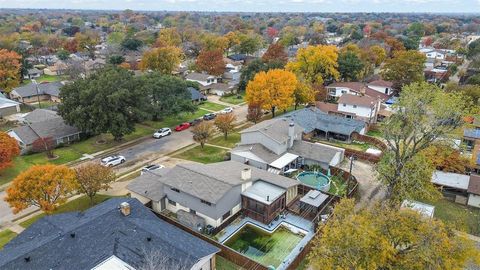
316, 180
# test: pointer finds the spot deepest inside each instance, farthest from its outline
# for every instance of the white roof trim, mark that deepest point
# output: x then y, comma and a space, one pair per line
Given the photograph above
283, 161
453, 180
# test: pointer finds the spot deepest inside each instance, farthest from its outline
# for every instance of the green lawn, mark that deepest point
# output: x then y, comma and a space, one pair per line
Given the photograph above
230, 142
45, 104
80, 204
208, 154
375, 133
5, 237
223, 264
207, 105
233, 99
462, 217
338, 186
172, 121
45, 78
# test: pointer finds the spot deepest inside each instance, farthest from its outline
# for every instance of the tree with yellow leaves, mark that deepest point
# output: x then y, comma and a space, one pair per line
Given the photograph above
168, 37
272, 90
315, 64
164, 59
303, 94
381, 237
44, 186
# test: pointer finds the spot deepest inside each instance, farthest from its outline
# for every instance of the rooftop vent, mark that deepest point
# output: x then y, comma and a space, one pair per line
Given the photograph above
72, 235
125, 208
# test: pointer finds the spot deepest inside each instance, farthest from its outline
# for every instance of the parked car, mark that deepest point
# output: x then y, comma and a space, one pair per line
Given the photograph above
182, 126
112, 161
209, 116
150, 168
227, 110
195, 122
162, 133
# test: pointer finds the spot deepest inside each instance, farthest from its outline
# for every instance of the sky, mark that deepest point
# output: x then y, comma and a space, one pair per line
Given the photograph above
434, 6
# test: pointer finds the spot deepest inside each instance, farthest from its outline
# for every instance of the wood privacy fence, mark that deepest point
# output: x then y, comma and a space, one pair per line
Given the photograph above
226, 252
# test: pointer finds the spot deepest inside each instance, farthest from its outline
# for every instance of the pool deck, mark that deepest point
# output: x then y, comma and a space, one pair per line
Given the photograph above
291, 221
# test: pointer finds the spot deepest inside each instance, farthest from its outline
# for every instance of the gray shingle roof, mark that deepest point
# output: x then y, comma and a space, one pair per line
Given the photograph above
198, 76
40, 115
51, 88
148, 185
276, 129
99, 233
196, 95
55, 128
211, 182
315, 151
312, 118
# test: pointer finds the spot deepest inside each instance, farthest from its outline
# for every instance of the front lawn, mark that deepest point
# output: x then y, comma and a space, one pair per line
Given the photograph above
5, 237
80, 204
230, 142
209, 154
375, 133
173, 121
45, 104
461, 217
207, 105
234, 99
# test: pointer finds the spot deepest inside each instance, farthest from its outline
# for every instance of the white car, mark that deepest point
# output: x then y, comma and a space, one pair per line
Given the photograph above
227, 110
162, 133
150, 168
112, 161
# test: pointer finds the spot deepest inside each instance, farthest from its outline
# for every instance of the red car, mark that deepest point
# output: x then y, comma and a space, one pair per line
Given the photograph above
182, 126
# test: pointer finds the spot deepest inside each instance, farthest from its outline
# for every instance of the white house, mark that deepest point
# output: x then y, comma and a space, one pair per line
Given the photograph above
381, 86
362, 107
337, 89
201, 78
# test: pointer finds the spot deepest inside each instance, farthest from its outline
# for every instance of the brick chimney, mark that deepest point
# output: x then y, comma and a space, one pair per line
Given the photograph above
246, 174
125, 208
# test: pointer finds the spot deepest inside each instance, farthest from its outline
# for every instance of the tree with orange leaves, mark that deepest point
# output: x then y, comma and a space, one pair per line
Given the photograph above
8, 150
45, 186
211, 61
272, 90
275, 52
9, 69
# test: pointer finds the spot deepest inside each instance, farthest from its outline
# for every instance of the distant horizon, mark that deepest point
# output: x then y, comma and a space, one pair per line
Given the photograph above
258, 6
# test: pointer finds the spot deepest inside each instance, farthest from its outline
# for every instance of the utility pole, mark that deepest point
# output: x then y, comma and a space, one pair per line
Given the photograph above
38, 94
352, 157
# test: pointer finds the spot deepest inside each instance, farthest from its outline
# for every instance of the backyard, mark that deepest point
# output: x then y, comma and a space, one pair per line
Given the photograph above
223, 264
265, 248
461, 217
355, 145
209, 154
79, 204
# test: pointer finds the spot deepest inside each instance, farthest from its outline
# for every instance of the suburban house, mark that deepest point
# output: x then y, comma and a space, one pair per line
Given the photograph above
8, 106
232, 70
220, 89
209, 194
359, 107
461, 188
337, 89
471, 136
33, 73
43, 124
276, 145
56, 69
32, 92
120, 233
378, 89
381, 86
196, 95
202, 78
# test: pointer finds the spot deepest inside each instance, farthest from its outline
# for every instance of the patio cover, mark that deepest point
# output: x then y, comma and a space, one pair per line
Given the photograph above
283, 161
314, 198
453, 180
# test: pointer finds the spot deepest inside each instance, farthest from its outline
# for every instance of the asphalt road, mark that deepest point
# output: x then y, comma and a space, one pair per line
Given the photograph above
140, 153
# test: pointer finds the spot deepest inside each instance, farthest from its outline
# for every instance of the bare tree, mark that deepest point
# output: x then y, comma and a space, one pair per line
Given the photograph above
202, 132
155, 259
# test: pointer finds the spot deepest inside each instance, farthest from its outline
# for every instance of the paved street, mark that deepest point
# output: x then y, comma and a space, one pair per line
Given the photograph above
140, 153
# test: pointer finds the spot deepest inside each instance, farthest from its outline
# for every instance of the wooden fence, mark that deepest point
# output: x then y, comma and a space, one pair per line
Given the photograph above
226, 252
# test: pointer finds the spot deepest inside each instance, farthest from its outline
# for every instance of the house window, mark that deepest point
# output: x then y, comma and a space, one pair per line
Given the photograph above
193, 211
354, 106
349, 116
226, 215
386, 90
175, 189
172, 202
344, 105
205, 202
343, 91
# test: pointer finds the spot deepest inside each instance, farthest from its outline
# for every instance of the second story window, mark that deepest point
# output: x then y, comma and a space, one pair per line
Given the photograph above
175, 189
354, 106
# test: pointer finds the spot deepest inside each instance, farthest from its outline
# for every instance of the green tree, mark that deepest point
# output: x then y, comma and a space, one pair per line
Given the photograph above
404, 68
131, 44
169, 95
387, 238
350, 66
424, 113
116, 59
63, 54
473, 49
108, 101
